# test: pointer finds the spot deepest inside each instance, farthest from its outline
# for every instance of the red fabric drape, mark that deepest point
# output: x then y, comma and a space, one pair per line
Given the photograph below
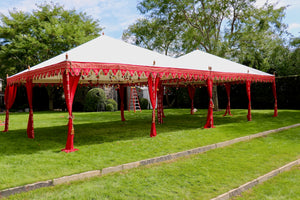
70, 84
152, 87
192, 90
160, 96
9, 99
248, 87
275, 99
227, 87
162, 100
30, 129
210, 118
121, 93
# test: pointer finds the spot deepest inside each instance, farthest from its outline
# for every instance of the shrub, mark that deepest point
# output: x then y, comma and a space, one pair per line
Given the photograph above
144, 103
95, 100
113, 102
110, 107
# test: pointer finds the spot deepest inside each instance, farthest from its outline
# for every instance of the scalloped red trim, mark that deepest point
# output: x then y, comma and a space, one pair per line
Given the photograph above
84, 69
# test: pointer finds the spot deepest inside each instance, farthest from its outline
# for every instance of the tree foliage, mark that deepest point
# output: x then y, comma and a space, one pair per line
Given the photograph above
285, 60
160, 31
237, 30
27, 39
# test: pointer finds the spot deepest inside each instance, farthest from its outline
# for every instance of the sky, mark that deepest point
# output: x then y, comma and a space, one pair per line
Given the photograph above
116, 15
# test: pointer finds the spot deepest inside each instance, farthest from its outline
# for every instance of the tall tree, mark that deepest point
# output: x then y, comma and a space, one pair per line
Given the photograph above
30, 38
154, 34
160, 31
27, 39
295, 57
285, 60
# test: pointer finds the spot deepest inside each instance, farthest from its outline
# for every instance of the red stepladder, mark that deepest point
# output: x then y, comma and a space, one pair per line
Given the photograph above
134, 103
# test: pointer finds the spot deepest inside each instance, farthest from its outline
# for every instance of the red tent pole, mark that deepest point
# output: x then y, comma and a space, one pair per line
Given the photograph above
210, 119
9, 98
162, 102
248, 87
121, 93
227, 87
275, 99
30, 129
152, 87
6, 101
160, 95
70, 85
191, 90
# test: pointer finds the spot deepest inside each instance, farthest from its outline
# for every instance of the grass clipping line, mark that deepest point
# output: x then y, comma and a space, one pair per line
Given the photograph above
108, 170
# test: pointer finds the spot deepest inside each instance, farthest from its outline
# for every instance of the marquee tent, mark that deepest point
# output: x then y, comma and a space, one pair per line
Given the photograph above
113, 62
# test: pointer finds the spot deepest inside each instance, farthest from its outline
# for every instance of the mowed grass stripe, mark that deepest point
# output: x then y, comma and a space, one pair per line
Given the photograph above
202, 176
282, 187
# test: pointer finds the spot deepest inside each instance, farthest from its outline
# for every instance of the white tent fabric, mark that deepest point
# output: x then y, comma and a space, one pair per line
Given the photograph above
105, 49
201, 61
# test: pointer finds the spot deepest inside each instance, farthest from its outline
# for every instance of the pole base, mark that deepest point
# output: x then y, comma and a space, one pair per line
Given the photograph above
69, 150
207, 127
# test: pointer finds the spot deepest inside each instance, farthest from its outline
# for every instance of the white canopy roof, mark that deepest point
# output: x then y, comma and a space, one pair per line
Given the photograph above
106, 53
105, 49
201, 60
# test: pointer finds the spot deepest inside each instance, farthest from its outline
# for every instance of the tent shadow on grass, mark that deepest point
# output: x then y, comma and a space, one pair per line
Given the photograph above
47, 138
54, 138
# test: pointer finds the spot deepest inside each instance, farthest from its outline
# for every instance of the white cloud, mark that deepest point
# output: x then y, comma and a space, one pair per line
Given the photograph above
294, 26
114, 15
24, 5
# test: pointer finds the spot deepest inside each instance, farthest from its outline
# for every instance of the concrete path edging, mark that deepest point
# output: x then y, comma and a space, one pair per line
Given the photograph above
113, 169
259, 180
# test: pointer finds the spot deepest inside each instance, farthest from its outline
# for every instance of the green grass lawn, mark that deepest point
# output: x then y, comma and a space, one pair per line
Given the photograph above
282, 187
201, 176
103, 140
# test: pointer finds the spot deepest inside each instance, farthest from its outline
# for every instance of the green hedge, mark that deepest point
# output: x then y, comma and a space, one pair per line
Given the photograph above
113, 103
144, 103
95, 100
